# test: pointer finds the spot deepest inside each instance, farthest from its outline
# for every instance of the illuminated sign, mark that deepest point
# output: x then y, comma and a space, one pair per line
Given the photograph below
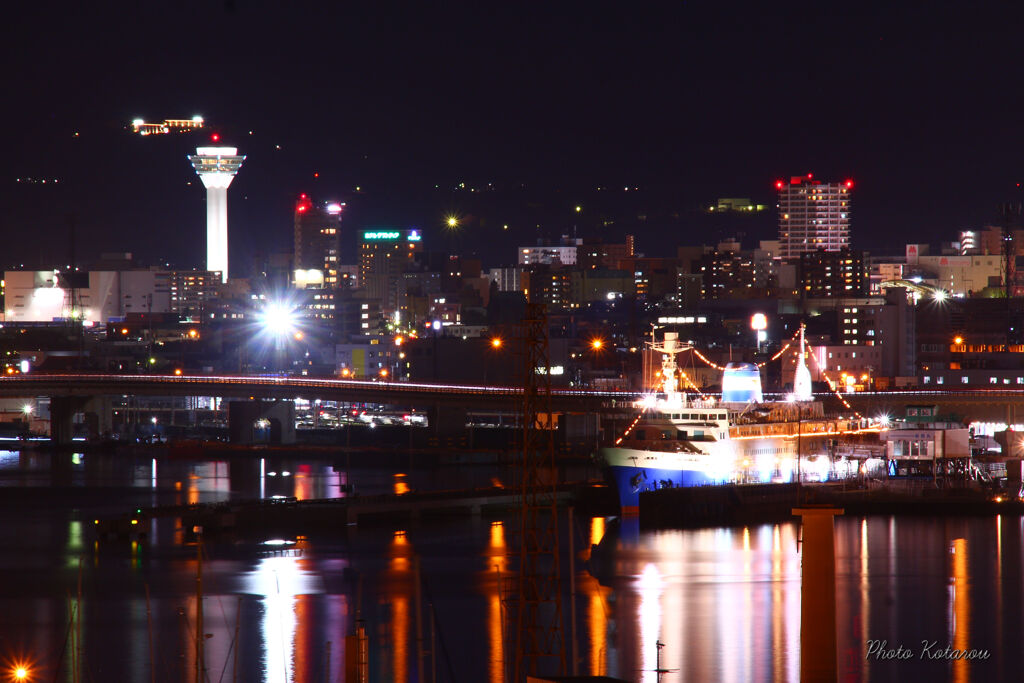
414, 236
381, 235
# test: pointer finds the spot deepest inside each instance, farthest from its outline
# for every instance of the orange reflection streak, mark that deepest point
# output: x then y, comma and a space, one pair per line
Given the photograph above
497, 567
865, 594
303, 487
397, 594
597, 623
302, 649
778, 606
193, 490
961, 609
401, 486
596, 530
305, 662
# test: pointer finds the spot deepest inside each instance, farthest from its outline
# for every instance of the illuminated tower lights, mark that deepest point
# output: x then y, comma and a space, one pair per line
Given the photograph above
217, 167
181, 125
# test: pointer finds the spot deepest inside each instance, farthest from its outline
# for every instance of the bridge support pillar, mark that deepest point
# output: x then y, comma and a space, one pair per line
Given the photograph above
261, 422
818, 660
99, 416
448, 421
62, 418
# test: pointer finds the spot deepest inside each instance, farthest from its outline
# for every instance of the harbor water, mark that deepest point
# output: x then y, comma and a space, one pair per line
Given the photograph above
433, 597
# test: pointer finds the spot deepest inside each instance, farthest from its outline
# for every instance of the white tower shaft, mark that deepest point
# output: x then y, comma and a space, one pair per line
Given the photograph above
217, 167
217, 230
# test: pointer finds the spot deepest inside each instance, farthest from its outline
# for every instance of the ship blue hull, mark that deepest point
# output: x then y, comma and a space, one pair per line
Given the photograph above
629, 481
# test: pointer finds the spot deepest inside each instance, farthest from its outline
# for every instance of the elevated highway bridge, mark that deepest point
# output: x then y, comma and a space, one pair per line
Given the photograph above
449, 403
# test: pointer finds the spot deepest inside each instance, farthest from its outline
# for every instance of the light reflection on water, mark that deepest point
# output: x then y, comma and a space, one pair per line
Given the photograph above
725, 602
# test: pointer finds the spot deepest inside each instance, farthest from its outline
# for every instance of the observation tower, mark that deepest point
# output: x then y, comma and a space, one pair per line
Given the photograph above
217, 167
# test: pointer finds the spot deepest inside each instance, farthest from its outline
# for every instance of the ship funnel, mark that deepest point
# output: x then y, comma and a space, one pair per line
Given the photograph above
671, 342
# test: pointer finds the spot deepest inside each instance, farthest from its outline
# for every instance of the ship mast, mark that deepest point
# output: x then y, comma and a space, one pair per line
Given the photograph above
802, 379
669, 347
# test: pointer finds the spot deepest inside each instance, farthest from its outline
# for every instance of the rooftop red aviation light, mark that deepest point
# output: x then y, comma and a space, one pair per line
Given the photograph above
215, 137
778, 184
849, 184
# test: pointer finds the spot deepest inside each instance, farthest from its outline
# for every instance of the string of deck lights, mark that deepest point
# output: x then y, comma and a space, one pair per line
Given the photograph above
629, 428
778, 354
692, 385
831, 385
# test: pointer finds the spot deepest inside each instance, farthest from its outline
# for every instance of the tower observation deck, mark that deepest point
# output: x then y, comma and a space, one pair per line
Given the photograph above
217, 167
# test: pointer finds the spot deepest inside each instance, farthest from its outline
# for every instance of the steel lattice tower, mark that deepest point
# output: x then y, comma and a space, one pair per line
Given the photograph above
539, 638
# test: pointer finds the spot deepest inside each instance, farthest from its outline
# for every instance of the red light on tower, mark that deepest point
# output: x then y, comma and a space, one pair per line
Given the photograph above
215, 137
810, 175
849, 184
778, 184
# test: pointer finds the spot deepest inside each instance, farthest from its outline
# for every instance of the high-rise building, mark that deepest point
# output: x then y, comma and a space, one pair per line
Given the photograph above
842, 273
813, 215
317, 243
217, 167
384, 254
192, 290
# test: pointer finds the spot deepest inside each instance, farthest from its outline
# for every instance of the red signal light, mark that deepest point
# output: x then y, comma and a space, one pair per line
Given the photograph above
215, 137
849, 184
778, 184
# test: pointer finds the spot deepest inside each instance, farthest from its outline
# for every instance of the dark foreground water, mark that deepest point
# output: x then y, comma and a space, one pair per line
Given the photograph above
725, 602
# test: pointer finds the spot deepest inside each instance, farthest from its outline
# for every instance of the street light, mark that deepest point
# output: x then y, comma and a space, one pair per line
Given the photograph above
279, 322
278, 319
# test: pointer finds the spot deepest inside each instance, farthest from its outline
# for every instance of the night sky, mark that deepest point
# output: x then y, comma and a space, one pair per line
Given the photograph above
534, 106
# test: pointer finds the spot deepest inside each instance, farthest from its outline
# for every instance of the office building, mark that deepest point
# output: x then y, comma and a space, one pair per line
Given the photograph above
841, 273
813, 215
317, 243
384, 254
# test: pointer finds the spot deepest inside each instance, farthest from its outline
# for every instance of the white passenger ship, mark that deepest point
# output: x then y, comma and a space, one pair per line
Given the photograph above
681, 441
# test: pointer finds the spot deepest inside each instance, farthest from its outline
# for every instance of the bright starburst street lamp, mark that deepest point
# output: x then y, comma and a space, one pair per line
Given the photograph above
278, 319
278, 324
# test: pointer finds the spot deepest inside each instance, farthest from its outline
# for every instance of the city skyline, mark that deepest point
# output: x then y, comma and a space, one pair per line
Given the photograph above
687, 105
